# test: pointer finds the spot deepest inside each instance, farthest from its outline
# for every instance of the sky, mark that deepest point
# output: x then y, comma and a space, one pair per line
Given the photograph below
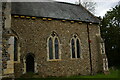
102, 6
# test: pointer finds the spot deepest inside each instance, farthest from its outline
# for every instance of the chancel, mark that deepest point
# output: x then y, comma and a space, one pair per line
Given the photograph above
51, 39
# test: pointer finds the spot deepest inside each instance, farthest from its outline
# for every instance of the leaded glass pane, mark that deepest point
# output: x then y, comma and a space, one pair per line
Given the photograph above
78, 48
73, 48
15, 49
50, 49
56, 49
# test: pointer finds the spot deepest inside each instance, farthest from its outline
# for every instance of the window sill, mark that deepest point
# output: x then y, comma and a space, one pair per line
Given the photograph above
55, 60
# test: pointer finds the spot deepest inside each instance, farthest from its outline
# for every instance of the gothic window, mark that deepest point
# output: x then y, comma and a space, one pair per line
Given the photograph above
15, 49
56, 49
78, 48
75, 47
50, 49
53, 47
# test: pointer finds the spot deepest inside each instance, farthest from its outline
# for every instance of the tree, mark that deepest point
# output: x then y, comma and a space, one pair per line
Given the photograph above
110, 31
89, 6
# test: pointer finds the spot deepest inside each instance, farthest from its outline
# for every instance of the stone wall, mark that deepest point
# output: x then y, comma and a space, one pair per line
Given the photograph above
33, 34
1, 24
95, 49
8, 42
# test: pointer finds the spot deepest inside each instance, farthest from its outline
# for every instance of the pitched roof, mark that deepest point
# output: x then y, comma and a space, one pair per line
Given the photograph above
53, 10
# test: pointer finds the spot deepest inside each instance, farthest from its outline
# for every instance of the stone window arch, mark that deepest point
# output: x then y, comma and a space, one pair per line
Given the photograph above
53, 47
75, 47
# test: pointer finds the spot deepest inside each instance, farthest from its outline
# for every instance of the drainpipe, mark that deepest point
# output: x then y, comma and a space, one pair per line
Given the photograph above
89, 48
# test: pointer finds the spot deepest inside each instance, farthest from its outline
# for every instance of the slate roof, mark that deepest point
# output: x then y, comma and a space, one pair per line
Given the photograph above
56, 10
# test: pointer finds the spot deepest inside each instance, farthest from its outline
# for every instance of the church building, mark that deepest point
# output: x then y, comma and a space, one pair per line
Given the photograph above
50, 39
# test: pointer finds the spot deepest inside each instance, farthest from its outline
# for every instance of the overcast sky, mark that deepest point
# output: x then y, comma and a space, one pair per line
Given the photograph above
102, 6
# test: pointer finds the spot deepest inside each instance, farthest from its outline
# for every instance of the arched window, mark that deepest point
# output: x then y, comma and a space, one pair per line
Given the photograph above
78, 48
53, 47
56, 49
15, 49
50, 49
75, 47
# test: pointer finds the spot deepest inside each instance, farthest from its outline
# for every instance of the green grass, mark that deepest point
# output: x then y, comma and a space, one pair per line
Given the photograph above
113, 74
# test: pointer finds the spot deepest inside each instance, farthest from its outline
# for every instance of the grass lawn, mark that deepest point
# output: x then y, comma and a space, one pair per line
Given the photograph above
112, 75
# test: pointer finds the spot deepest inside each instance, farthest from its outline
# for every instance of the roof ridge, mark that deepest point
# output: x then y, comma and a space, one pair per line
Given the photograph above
82, 7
